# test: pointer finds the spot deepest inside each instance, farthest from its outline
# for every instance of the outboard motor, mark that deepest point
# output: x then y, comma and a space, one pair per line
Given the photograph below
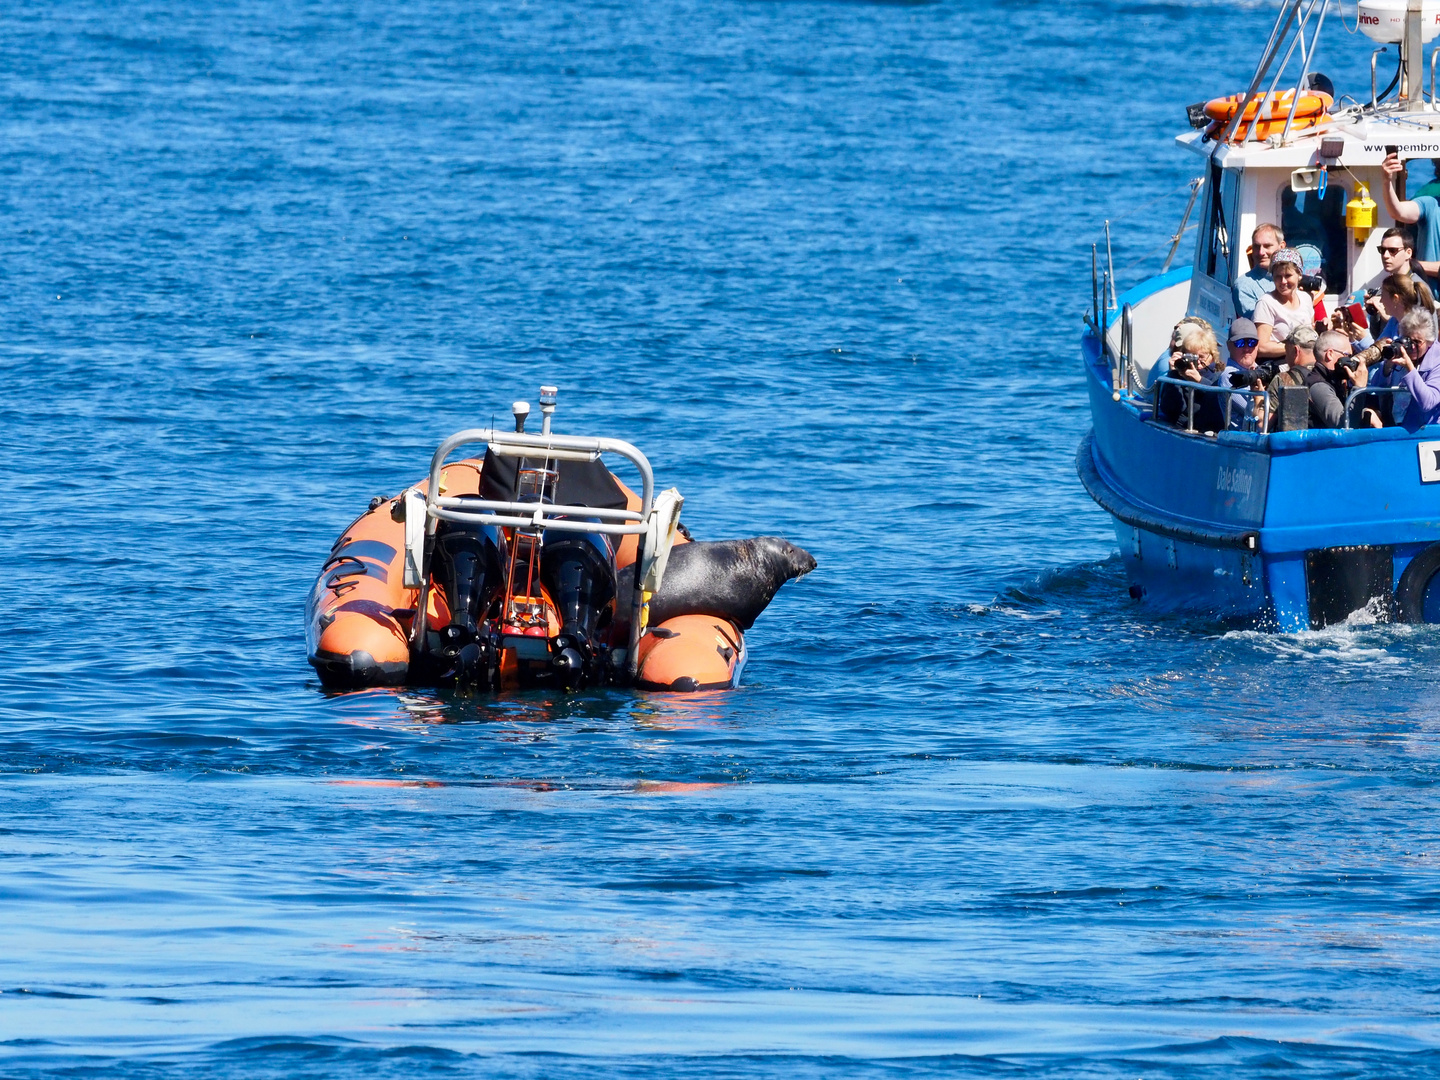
468, 561
579, 572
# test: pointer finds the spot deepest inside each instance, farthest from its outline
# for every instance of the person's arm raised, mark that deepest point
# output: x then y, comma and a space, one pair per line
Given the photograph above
1402, 210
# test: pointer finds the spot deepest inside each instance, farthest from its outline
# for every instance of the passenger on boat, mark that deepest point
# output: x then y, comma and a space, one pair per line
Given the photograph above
1195, 357
1242, 372
1299, 358
1420, 359
1285, 308
1399, 293
1335, 374
1397, 248
1255, 282
1423, 212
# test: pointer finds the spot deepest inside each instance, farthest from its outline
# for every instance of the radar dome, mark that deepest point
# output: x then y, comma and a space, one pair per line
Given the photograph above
1384, 20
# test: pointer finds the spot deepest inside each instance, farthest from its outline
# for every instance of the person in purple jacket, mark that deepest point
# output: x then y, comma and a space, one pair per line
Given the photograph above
1421, 360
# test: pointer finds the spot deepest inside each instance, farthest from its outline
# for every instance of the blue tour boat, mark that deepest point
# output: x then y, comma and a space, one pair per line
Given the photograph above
1291, 529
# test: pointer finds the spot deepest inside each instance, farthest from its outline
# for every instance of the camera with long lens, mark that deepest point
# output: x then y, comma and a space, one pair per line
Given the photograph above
1262, 372
1391, 350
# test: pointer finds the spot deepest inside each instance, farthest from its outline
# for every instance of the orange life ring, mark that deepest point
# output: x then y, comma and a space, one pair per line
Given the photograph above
1265, 128
1312, 103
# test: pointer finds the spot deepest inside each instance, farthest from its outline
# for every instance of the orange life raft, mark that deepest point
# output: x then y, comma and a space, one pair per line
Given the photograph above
493, 582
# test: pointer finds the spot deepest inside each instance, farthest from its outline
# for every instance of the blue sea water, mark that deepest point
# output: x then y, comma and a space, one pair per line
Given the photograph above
974, 812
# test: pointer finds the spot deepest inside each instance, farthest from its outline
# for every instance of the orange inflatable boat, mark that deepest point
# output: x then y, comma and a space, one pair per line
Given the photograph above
535, 565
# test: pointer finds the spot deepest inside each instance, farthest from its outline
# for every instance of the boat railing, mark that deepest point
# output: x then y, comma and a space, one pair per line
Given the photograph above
538, 516
1263, 423
1362, 391
531, 517
1127, 347
1230, 392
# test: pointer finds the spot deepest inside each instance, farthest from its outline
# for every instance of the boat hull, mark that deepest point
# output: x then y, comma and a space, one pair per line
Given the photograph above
1290, 531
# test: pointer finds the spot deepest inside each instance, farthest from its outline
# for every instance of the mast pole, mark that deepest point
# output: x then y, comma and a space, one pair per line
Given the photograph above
1412, 55
1305, 66
1277, 35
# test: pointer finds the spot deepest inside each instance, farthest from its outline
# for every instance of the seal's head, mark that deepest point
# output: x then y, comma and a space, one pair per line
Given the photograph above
783, 558
733, 579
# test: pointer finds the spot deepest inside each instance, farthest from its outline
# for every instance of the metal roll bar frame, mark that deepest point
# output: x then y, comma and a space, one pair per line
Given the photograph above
536, 516
1208, 388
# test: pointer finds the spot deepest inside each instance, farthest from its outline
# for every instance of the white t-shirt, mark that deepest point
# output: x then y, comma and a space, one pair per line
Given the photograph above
1282, 319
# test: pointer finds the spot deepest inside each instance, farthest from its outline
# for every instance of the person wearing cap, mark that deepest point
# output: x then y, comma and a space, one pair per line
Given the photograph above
1240, 370
1255, 282
1299, 357
1286, 307
1423, 212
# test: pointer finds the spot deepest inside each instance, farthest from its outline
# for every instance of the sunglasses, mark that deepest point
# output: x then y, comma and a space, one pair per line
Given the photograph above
1391, 251
1245, 342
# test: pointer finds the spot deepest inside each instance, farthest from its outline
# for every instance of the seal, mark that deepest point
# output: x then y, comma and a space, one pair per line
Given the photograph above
731, 579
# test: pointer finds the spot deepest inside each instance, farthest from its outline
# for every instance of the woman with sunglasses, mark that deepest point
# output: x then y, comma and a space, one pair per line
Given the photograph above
1285, 307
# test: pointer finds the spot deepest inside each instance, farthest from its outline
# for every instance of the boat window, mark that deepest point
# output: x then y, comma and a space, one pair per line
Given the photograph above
1422, 177
1305, 218
1222, 192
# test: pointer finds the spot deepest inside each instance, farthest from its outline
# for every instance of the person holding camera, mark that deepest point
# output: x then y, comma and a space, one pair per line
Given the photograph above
1286, 307
1398, 294
1194, 357
1419, 359
1244, 372
1293, 368
1333, 377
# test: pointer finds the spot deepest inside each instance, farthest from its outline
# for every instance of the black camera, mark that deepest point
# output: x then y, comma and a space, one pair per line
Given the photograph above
1312, 283
1262, 372
1350, 364
1391, 350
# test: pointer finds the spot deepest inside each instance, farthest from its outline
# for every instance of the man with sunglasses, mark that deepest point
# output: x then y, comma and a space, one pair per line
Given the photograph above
1423, 212
1420, 360
1397, 248
1256, 282
1241, 371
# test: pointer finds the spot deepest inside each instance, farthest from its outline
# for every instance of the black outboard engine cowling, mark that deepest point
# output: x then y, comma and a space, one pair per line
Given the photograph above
468, 561
579, 572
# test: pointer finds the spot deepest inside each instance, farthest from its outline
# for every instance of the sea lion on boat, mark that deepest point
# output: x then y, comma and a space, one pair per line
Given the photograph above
731, 579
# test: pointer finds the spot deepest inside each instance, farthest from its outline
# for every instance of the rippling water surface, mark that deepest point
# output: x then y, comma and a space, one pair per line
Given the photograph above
973, 812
